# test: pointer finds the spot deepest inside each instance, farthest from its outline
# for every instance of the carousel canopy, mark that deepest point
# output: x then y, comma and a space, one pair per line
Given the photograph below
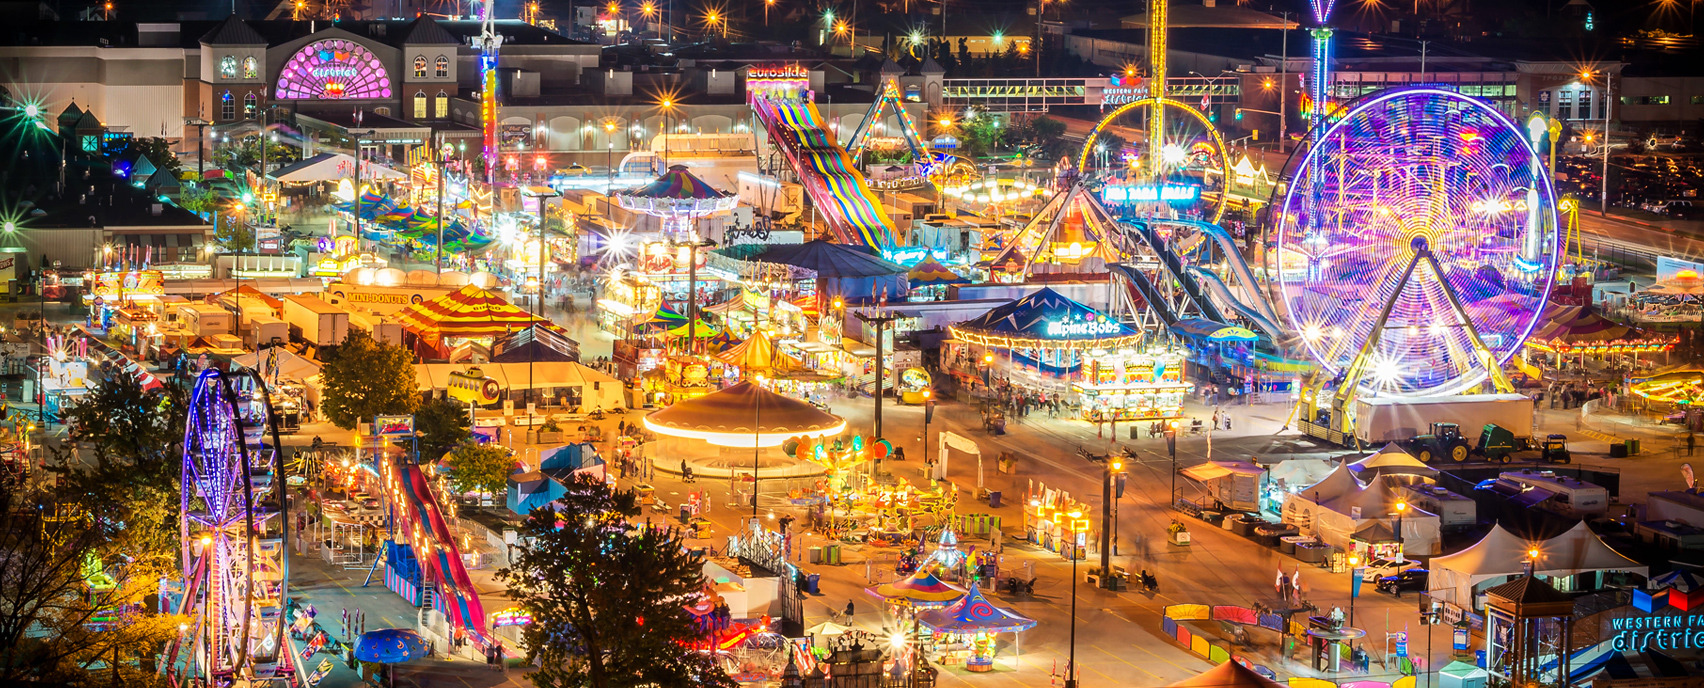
676, 192
921, 589
465, 312
1227, 675
758, 353
846, 272
1045, 319
973, 614
727, 418
930, 272
1582, 328
702, 330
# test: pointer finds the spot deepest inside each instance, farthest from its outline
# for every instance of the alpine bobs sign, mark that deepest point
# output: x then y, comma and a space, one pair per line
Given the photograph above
1082, 328
1659, 631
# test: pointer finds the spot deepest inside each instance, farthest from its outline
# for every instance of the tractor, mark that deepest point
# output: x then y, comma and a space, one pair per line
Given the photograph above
1445, 440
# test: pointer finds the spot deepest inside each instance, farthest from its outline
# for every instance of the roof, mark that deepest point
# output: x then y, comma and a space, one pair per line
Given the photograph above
515, 376
426, 31
675, 184
233, 31
758, 352
1213, 470
1338, 483
1227, 675
930, 272
1392, 459
1040, 315
921, 589
829, 261
1226, 16
534, 343
465, 312
728, 416
1529, 590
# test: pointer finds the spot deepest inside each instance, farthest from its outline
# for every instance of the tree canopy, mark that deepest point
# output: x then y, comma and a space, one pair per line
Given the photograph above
606, 597
479, 468
364, 377
442, 424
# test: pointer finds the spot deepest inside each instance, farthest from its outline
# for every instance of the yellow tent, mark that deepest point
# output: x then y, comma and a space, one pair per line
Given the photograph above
757, 353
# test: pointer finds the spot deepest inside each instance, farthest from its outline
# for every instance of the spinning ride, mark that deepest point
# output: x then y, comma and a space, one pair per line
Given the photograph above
678, 198
1416, 247
233, 542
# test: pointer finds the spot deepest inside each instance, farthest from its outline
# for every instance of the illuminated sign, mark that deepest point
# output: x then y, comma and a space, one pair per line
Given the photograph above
787, 71
121, 285
510, 617
1082, 328
1660, 631
1147, 193
333, 69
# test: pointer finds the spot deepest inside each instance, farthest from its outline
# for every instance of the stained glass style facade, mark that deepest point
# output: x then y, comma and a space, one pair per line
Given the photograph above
333, 69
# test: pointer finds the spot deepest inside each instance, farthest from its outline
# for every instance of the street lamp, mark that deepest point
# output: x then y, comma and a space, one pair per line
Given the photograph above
543, 194
1071, 661
648, 11
713, 18
609, 154
1608, 104
1354, 586
1400, 508
766, 5
1171, 446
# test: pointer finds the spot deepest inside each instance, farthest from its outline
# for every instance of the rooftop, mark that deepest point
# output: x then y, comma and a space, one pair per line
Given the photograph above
190, 34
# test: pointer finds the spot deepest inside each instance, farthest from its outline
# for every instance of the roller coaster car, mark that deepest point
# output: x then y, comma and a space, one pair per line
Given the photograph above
1445, 440
1555, 450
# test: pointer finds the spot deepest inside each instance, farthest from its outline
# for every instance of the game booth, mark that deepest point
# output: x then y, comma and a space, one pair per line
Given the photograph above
1051, 344
469, 315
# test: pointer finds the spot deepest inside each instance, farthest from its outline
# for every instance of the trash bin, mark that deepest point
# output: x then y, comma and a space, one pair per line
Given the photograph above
1633, 447
1618, 450
814, 554
685, 514
994, 499
812, 582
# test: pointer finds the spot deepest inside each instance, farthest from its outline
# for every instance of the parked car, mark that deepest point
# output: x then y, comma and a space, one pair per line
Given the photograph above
1406, 581
1380, 568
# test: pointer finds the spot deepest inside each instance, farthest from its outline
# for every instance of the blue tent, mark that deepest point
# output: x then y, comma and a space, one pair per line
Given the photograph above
844, 271
532, 490
1046, 314
563, 462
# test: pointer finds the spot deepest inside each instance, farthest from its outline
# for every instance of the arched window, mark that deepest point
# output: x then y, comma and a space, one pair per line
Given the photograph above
227, 107
250, 106
420, 105
382, 111
228, 67
443, 109
443, 67
251, 68
419, 66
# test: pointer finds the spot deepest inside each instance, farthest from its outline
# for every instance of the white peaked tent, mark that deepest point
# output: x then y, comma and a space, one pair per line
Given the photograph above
1459, 577
1336, 508
1391, 460
330, 167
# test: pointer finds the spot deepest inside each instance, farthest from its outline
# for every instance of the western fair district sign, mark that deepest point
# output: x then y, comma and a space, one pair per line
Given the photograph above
1659, 631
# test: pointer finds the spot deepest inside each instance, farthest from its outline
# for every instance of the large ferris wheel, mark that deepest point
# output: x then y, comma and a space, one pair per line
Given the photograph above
1417, 244
233, 531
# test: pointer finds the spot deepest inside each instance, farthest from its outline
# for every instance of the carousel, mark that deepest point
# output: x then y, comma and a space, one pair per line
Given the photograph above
678, 199
1047, 345
966, 632
738, 432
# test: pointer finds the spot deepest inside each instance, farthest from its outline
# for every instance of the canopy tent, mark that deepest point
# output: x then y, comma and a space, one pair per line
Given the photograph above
701, 330
569, 461
758, 353
739, 415
662, 320
247, 295
465, 313
676, 192
1214, 470
930, 272
1045, 319
330, 167
534, 343
1341, 507
1502, 554
921, 589
971, 614
1393, 460
842, 271
1580, 329
597, 390
1229, 674
289, 365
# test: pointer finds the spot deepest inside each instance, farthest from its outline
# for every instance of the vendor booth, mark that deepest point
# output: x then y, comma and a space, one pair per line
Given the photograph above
1047, 343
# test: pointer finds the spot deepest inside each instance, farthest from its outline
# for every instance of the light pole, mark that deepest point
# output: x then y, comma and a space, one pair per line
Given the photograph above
766, 5
1355, 587
1171, 446
609, 155
1109, 518
880, 321
543, 194
1400, 508
1071, 660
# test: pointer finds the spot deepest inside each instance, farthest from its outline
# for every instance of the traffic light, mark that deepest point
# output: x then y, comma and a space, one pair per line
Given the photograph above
1256, 135
1239, 114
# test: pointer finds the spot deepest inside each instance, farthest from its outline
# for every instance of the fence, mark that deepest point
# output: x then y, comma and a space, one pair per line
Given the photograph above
1244, 616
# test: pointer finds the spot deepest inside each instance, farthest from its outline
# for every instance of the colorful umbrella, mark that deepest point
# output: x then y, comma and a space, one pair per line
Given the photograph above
922, 589
973, 614
390, 646
929, 272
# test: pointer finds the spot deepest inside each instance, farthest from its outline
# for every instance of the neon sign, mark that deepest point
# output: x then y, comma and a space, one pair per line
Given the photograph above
1082, 328
1144, 193
333, 69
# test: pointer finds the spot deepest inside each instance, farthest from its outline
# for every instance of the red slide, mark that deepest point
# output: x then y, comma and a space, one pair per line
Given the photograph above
460, 600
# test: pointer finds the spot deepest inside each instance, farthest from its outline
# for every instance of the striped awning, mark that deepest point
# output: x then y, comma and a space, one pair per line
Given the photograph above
466, 312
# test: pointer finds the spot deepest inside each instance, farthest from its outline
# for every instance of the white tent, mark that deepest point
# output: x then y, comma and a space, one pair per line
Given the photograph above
1336, 508
329, 167
597, 390
1457, 578
291, 366
1391, 460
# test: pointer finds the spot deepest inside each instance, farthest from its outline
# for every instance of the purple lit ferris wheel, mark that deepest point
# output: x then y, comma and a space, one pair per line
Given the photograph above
1403, 171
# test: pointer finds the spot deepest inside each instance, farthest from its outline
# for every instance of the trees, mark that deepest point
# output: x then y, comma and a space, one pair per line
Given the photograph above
606, 597
233, 233
363, 378
479, 468
442, 424
159, 151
